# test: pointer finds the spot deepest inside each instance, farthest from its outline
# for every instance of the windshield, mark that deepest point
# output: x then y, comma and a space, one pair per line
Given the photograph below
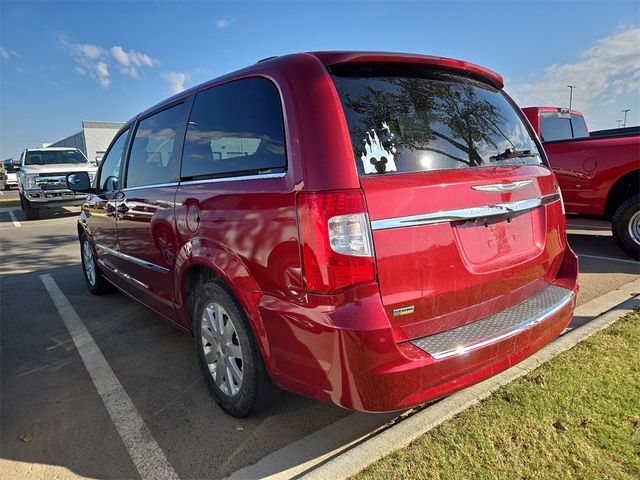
42, 157
410, 119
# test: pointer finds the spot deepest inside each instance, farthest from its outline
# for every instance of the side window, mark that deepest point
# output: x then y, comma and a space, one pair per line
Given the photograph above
579, 127
109, 180
235, 129
555, 127
152, 160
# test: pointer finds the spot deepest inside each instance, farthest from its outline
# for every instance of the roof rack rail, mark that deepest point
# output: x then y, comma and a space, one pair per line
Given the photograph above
267, 58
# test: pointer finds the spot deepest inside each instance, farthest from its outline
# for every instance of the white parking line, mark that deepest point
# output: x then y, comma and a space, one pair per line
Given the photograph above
148, 457
613, 259
15, 221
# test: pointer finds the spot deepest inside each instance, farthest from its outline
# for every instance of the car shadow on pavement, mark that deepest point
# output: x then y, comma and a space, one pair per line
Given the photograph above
30, 253
48, 213
600, 254
48, 395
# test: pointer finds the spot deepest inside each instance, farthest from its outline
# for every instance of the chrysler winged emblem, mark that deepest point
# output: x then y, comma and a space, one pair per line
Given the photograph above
502, 187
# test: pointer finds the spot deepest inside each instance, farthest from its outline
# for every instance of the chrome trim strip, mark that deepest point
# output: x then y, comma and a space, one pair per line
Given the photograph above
502, 187
155, 185
259, 176
464, 213
529, 322
136, 260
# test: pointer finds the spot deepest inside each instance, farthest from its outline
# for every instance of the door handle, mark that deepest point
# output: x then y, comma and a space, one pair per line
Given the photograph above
109, 209
121, 210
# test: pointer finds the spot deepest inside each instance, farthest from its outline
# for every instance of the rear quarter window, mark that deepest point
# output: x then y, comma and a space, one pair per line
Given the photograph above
412, 119
235, 129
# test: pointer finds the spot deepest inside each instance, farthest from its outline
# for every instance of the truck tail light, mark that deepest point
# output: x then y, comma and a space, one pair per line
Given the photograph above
337, 250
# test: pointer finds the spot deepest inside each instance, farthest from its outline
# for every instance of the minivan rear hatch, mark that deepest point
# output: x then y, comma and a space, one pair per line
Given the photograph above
466, 218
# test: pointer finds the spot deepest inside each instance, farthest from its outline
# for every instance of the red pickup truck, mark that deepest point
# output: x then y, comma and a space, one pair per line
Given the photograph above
598, 172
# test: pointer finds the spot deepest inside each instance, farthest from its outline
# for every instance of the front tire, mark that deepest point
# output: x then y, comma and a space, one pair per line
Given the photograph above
30, 212
228, 354
626, 226
96, 283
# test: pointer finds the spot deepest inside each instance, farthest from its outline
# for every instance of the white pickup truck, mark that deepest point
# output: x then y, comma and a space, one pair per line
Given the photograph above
42, 178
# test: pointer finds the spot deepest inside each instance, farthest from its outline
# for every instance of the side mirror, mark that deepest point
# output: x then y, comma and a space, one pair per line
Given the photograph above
79, 182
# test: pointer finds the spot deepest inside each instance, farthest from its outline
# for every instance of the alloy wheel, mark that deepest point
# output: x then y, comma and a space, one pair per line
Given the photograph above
222, 350
88, 263
634, 227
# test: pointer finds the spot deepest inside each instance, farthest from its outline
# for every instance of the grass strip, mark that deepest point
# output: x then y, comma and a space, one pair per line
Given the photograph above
6, 203
577, 416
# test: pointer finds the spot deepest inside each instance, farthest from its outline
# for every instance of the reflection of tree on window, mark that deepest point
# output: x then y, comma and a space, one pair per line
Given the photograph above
461, 122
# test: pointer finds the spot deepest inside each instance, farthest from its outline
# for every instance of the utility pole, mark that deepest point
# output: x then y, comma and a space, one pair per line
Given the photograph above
571, 87
619, 122
624, 123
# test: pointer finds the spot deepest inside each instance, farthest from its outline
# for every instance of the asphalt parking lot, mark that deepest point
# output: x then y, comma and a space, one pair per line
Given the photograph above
48, 394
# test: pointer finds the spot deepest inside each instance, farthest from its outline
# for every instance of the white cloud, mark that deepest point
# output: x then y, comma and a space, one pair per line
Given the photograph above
6, 53
102, 71
608, 69
130, 61
221, 23
175, 80
94, 61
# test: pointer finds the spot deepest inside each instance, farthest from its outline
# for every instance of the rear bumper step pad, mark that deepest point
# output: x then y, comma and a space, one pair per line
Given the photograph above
496, 327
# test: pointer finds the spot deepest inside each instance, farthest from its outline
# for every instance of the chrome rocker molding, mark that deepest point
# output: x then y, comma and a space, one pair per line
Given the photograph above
495, 328
464, 213
136, 260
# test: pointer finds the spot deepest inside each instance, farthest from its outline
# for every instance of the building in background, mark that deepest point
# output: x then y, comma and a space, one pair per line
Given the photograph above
92, 140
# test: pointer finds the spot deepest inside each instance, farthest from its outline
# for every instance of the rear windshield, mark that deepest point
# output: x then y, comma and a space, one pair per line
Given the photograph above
562, 126
54, 157
412, 119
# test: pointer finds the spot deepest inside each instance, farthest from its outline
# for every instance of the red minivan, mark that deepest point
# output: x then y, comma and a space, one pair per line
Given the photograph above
372, 230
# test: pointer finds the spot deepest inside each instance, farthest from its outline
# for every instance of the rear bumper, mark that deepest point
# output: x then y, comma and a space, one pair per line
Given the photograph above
347, 355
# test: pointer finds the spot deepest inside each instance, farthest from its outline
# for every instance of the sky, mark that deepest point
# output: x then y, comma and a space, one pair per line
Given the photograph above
64, 62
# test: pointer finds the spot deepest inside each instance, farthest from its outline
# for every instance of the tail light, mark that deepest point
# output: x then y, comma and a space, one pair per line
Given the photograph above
337, 250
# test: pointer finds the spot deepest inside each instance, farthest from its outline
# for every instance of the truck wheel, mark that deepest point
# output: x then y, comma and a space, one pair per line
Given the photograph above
228, 354
30, 212
96, 283
626, 227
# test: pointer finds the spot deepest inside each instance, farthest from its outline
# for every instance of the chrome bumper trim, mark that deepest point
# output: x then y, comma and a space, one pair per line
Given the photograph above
497, 327
136, 260
464, 213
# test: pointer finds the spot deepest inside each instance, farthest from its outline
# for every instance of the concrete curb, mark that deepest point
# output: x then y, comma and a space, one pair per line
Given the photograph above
403, 433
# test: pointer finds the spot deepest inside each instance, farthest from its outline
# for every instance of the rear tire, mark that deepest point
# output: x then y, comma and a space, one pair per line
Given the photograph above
626, 227
225, 339
96, 283
30, 212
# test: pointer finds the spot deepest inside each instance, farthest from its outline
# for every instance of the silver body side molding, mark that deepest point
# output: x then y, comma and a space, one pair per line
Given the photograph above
129, 258
464, 213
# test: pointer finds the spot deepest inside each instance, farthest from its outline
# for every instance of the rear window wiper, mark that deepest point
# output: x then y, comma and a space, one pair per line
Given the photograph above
513, 153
